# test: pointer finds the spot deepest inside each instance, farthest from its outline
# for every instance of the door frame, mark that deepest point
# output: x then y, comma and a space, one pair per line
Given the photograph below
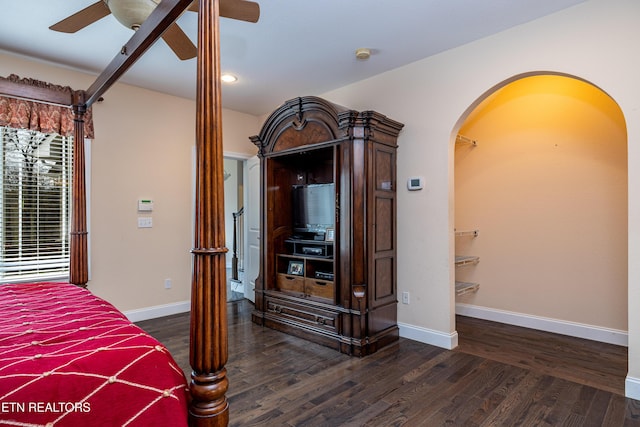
242, 157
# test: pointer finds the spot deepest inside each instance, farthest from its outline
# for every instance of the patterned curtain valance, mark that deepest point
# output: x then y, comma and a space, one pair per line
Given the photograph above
46, 118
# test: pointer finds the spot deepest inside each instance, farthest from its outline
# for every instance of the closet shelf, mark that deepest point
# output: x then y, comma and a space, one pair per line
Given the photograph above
461, 139
466, 287
466, 260
473, 233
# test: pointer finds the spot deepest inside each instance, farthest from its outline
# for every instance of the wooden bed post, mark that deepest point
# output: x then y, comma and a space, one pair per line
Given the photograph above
208, 350
79, 263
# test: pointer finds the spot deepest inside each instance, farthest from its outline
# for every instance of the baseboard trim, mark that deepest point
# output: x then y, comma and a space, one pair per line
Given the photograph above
632, 388
156, 311
428, 336
563, 327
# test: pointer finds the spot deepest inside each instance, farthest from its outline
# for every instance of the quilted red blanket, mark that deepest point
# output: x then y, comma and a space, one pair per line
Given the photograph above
68, 358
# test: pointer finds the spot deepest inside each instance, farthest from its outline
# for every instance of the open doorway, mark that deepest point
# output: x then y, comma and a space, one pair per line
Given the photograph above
234, 226
541, 200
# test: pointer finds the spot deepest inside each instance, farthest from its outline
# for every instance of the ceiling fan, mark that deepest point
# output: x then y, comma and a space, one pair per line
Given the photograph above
132, 13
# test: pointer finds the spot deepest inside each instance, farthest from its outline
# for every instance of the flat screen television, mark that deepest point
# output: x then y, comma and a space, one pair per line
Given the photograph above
314, 208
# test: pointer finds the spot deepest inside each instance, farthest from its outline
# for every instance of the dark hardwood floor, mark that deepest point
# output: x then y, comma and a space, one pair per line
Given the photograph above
500, 375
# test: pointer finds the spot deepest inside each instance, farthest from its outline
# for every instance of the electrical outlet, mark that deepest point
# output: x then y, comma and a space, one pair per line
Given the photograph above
405, 297
167, 283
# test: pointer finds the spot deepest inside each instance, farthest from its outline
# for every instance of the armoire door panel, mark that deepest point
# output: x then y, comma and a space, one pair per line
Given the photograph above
384, 169
384, 278
384, 220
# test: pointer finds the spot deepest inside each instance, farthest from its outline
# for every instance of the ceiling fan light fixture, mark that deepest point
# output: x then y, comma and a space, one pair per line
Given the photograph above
131, 13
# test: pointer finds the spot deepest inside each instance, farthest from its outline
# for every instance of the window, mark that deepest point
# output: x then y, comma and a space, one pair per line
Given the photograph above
35, 202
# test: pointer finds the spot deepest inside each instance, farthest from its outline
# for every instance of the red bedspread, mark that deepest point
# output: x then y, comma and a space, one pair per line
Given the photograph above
68, 358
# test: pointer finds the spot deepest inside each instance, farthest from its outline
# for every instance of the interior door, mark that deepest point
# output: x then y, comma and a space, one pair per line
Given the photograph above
252, 260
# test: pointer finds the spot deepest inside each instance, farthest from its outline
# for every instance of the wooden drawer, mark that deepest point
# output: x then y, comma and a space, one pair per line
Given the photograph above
319, 288
300, 313
289, 283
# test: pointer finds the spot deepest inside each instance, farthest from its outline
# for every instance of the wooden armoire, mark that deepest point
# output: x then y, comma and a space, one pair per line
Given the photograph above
328, 225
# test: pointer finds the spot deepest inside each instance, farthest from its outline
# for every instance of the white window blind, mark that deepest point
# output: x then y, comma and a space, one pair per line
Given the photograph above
35, 204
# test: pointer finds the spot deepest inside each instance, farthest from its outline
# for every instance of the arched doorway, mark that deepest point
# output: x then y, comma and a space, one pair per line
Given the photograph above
546, 188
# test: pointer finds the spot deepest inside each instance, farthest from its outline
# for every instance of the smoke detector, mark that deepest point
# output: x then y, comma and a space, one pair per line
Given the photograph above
363, 53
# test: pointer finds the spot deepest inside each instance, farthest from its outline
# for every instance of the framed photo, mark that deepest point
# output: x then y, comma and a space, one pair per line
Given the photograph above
330, 235
296, 268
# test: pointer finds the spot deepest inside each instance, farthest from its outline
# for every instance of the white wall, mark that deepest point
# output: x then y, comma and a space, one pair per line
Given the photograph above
596, 41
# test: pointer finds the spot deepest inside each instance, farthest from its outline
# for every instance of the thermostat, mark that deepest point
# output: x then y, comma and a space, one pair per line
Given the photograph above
415, 183
145, 205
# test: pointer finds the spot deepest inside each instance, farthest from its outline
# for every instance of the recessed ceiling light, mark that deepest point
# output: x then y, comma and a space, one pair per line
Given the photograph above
228, 78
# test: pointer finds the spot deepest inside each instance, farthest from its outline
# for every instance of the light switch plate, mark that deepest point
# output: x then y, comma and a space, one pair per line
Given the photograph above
145, 222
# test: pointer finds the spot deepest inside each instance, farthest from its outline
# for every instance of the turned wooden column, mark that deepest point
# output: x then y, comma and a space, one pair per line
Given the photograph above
79, 263
208, 351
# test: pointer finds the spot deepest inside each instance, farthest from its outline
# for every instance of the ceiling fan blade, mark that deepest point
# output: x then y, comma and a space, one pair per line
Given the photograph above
242, 10
85, 17
179, 42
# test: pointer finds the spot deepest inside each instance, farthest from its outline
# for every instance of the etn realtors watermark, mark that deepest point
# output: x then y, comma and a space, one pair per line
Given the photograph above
44, 407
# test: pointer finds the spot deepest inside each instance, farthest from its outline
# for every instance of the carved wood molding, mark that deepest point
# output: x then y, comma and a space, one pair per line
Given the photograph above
297, 114
300, 113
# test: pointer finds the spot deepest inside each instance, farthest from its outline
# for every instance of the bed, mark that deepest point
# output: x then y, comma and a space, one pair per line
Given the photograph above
69, 358
207, 403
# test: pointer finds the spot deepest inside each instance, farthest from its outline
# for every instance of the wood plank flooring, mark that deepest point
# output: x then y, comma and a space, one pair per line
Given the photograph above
499, 375
600, 365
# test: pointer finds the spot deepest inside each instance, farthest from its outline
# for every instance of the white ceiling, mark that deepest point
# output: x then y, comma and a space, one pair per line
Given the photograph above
298, 47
